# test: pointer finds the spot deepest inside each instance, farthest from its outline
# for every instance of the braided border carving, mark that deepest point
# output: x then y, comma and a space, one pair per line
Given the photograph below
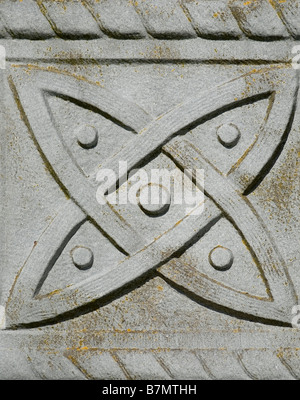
163, 19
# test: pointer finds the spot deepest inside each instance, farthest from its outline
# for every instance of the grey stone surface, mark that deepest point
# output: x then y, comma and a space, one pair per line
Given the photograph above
137, 291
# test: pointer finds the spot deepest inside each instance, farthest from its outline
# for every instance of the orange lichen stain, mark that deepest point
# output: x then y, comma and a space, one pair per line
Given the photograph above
82, 348
280, 354
216, 15
57, 291
178, 223
160, 288
247, 3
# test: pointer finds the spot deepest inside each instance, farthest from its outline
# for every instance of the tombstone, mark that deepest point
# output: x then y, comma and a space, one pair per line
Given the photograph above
107, 272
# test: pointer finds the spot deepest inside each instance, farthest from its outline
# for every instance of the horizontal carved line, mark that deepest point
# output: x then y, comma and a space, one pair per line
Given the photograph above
143, 51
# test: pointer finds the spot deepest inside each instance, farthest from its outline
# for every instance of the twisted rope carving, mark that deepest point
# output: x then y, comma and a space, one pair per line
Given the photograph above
160, 19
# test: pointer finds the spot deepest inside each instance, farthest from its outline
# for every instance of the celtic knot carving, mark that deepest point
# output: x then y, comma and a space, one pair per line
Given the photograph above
226, 197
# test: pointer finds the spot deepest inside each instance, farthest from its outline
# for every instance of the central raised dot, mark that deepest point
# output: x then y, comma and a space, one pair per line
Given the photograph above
221, 258
228, 135
154, 199
82, 257
87, 136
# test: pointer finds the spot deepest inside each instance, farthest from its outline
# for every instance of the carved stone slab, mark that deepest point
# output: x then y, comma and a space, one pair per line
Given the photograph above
92, 290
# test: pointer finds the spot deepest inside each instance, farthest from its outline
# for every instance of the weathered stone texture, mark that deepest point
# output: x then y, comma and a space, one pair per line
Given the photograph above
90, 291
